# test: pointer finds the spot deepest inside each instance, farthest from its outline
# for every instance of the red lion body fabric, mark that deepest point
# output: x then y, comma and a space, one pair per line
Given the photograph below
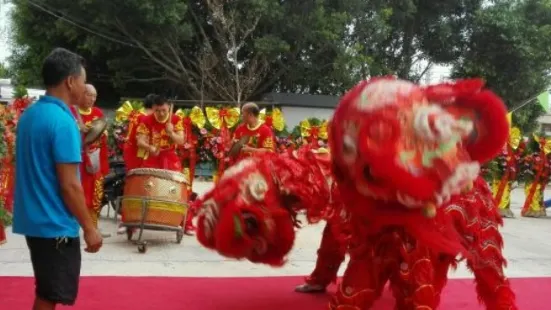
397, 191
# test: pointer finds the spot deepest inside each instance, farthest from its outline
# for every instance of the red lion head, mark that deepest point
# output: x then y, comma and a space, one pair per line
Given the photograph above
251, 212
395, 141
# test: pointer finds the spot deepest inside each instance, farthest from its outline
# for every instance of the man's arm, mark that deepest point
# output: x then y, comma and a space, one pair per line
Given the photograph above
177, 137
141, 141
67, 149
73, 195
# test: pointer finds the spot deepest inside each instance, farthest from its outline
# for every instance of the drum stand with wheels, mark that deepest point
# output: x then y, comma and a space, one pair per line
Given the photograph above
142, 225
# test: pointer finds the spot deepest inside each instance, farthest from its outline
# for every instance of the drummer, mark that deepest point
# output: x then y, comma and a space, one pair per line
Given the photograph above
92, 181
159, 133
132, 155
261, 136
159, 136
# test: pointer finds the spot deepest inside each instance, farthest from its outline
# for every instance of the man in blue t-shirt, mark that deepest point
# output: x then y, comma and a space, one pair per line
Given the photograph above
49, 202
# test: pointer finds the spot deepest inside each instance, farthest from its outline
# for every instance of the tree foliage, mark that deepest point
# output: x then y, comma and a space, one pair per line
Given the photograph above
212, 49
509, 45
238, 50
4, 71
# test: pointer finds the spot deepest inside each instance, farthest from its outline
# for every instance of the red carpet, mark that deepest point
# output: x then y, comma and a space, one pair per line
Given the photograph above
120, 293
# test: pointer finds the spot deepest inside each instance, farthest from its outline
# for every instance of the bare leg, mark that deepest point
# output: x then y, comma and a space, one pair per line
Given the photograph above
41, 304
331, 254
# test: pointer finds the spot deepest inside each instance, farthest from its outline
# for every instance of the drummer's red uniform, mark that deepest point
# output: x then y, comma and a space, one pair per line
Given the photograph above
156, 133
2, 234
92, 183
260, 137
131, 155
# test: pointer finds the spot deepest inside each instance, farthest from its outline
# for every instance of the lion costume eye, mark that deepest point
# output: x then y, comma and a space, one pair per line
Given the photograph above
349, 149
258, 188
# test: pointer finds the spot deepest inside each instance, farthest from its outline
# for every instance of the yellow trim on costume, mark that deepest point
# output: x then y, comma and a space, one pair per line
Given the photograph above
163, 121
256, 127
85, 112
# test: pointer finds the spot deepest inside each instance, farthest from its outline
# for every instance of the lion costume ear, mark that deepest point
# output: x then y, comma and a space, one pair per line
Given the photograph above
467, 98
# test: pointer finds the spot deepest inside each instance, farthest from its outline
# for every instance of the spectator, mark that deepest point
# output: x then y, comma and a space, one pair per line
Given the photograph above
49, 201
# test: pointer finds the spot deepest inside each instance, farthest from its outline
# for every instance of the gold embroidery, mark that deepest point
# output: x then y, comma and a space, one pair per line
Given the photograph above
96, 200
268, 143
142, 129
179, 126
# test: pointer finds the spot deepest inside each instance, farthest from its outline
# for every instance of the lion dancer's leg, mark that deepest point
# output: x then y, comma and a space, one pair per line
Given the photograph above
362, 283
414, 282
492, 286
331, 254
442, 265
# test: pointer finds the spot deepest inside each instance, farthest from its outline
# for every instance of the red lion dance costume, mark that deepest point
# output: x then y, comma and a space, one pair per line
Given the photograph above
403, 187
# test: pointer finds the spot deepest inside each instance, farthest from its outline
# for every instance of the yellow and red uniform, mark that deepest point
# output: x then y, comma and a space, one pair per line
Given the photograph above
261, 136
133, 157
92, 183
157, 136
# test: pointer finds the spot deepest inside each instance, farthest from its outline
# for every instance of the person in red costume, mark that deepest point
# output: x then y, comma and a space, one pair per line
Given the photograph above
95, 164
132, 155
261, 137
159, 133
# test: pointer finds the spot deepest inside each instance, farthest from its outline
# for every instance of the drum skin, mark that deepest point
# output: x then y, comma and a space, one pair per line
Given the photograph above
164, 193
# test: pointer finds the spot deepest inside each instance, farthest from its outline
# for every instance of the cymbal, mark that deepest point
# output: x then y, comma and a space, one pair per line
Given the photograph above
237, 146
97, 127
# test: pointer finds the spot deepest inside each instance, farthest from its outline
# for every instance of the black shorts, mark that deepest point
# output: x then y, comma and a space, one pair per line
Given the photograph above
56, 265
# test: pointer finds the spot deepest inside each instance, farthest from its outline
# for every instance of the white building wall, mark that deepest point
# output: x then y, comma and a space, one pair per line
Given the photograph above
294, 115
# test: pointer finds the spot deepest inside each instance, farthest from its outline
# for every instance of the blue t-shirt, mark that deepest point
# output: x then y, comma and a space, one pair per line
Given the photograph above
47, 134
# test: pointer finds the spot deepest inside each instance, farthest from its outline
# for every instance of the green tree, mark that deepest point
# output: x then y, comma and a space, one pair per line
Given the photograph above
406, 37
4, 71
509, 45
212, 49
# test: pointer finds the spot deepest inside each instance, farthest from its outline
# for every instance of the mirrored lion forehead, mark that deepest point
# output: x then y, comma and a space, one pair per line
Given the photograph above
385, 92
241, 166
416, 144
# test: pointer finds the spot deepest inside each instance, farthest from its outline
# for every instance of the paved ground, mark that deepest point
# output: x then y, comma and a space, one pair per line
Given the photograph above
527, 247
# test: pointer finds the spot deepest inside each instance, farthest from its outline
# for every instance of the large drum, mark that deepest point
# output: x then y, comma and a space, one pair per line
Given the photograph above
154, 197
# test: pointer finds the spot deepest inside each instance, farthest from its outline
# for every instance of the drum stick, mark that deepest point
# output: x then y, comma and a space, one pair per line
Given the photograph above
170, 111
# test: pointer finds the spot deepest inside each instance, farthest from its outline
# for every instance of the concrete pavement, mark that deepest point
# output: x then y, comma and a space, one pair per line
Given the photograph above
527, 247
